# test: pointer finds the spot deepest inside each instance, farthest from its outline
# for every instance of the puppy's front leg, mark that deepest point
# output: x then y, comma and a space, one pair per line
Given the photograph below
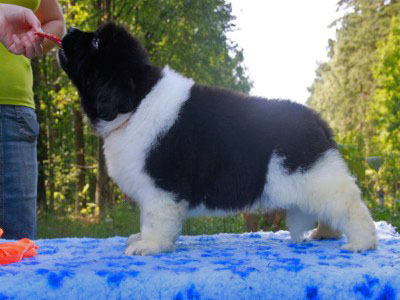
160, 226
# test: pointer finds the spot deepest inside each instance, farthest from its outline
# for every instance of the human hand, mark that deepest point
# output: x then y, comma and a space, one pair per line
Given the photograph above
27, 44
17, 26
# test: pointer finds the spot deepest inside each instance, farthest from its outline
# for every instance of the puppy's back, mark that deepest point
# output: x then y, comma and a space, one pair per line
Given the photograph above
218, 150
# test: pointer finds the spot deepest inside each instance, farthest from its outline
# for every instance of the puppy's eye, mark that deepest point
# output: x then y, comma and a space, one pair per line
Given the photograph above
95, 43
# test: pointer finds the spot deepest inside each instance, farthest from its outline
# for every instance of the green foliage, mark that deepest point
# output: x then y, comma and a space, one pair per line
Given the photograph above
357, 92
385, 110
213, 225
123, 220
343, 89
190, 36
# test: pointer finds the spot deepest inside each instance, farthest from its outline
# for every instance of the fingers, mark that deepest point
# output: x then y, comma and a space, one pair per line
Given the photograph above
36, 43
12, 48
16, 22
28, 45
32, 20
29, 49
17, 46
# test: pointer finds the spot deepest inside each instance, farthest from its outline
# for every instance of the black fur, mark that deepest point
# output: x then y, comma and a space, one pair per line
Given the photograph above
218, 150
111, 79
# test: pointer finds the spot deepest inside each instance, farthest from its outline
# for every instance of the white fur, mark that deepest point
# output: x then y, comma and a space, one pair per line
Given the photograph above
299, 222
105, 128
125, 150
326, 192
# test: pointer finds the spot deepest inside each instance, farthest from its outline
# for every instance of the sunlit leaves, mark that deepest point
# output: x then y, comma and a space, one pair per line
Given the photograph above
357, 92
385, 111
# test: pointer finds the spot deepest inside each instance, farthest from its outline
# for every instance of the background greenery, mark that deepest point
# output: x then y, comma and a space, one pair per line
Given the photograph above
356, 91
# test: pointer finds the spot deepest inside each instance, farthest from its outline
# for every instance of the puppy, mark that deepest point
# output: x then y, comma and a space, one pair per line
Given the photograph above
182, 149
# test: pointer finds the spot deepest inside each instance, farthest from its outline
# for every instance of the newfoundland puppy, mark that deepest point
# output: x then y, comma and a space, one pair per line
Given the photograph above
183, 149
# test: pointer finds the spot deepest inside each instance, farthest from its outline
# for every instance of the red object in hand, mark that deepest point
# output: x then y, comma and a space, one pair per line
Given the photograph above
15, 251
51, 37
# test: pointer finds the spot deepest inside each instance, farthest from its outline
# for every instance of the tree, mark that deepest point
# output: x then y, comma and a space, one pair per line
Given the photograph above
343, 89
188, 35
385, 110
354, 97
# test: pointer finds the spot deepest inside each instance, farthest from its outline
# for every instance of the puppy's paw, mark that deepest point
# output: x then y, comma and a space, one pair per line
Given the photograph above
297, 240
297, 237
359, 247
133, 238
148, 247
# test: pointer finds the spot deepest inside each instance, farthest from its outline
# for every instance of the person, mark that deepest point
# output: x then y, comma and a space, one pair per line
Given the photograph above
18, 125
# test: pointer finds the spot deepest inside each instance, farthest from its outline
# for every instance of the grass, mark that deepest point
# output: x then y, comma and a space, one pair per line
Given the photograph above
124, 219
386, 214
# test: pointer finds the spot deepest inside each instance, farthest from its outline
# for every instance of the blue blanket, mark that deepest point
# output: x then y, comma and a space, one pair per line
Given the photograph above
260, 265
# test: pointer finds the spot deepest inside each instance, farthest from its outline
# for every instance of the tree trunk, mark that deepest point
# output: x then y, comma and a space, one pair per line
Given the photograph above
92, 187
51, 182
80, 198
102, 187
41, 145
50, 146
101, 183
50, 141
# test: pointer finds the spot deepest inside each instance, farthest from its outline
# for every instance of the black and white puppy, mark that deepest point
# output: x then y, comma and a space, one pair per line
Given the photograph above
182, 149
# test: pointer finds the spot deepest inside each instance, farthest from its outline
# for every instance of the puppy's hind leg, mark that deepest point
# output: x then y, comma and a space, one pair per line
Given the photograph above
359, 227
348, 214
298, 223
160, 226
352, 217
324, 231
335, 198
133, 238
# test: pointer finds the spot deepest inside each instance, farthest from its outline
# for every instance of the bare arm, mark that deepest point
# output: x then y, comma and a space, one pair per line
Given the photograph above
52, 19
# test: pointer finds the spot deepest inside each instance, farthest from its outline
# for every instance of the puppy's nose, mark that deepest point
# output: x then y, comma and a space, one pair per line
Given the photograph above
72, 29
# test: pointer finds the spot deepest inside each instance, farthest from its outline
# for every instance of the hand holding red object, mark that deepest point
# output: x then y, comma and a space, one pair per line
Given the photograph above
50, 36
16, 21
15, 251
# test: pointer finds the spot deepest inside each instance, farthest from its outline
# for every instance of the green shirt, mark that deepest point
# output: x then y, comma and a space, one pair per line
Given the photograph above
16, 79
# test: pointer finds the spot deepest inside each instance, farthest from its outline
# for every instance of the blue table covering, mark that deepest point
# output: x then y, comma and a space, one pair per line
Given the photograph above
261, 265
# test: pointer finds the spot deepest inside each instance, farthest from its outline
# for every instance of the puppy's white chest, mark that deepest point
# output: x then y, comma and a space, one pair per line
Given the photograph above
125, 164
126, 148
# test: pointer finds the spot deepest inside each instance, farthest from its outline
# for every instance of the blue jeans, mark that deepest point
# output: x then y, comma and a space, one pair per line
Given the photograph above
18, 171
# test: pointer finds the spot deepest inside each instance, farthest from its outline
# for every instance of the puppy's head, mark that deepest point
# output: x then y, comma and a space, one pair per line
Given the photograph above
107, 66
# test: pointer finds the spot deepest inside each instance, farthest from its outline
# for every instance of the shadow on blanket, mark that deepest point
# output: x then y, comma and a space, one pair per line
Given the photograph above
260, 265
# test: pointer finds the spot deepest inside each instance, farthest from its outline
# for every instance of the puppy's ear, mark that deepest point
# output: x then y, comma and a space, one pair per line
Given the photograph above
116, 97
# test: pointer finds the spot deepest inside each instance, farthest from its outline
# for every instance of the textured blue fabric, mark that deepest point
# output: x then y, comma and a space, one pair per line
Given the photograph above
18, 171
224, 266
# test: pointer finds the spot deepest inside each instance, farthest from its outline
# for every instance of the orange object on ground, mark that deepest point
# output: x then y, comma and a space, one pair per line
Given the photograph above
14, 251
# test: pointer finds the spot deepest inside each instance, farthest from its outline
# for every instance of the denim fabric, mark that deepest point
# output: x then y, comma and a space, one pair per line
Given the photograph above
18, 171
